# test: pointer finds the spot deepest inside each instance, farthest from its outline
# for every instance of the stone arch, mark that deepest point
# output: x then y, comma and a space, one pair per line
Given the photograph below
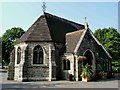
18, 55
90, 58
38, 55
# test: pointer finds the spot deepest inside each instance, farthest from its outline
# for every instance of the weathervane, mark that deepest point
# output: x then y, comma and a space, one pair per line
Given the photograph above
44, 6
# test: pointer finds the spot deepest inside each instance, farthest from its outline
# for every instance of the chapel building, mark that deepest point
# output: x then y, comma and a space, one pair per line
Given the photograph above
53, 48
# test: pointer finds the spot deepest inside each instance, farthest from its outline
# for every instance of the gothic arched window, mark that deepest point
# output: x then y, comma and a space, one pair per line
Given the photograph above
38, 55
18, 55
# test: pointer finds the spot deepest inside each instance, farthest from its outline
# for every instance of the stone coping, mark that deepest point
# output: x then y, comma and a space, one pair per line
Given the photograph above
3, 70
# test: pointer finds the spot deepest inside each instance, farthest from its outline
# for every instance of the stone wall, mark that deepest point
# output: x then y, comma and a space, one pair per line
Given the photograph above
58, 48
89, 43
40, 71
26, 70
11, 67
19, 68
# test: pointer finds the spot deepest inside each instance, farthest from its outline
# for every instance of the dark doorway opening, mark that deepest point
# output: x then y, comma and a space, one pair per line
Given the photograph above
89, 57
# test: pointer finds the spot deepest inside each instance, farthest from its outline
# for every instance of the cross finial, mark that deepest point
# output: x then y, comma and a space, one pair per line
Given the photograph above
86, 24
44, 6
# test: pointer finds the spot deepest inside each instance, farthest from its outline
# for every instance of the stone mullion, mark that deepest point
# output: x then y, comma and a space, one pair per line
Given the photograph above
38, 56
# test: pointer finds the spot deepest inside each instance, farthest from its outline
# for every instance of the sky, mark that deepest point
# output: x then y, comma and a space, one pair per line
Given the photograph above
24, 14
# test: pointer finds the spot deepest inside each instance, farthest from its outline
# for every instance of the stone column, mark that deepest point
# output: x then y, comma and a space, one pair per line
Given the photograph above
16, 66
50, 64
20, 69
11, 67
72, 65
76, 60
21, 66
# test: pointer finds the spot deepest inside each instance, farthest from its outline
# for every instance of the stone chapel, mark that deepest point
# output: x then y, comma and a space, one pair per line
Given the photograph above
53, 47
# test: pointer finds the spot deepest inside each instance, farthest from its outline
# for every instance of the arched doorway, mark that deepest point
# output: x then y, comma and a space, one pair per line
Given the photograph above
89, 57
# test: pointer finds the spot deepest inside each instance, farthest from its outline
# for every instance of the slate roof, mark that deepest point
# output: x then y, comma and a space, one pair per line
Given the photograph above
49, 27
39, 31
72, 39
75, 38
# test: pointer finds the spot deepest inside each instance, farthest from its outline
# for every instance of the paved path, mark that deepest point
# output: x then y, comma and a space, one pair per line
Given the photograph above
109, 83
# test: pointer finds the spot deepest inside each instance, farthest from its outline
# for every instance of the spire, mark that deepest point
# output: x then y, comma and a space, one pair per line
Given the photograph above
86, 24
44, 6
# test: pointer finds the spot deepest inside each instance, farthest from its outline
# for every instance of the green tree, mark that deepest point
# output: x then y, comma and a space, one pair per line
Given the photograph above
110, 39
8, 40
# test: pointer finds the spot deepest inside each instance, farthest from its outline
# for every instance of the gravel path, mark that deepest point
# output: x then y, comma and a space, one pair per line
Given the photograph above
109, 83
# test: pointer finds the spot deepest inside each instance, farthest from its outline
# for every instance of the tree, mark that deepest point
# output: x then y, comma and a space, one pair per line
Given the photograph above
8, 40
110, 39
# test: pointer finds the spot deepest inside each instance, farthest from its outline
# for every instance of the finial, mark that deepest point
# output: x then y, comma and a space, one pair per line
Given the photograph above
44, 6
86, 24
